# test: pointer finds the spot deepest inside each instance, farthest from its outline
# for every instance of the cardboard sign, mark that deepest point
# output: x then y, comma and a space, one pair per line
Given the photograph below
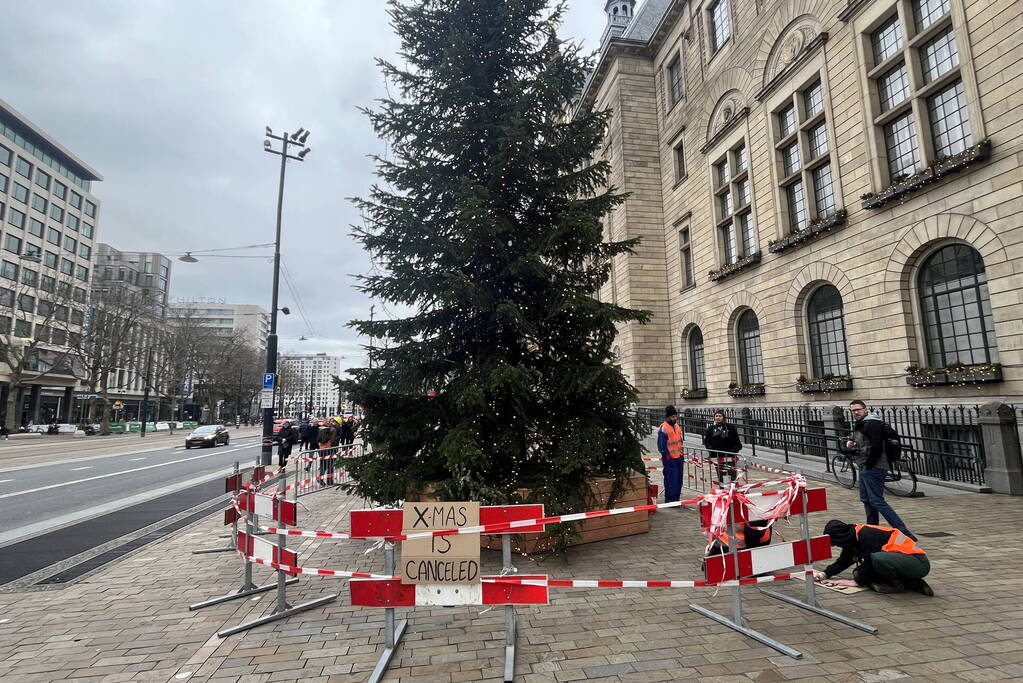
441, 559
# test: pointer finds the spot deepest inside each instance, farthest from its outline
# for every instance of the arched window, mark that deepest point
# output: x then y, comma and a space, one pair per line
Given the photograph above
958, 326
828, 352
697, 374
751, 362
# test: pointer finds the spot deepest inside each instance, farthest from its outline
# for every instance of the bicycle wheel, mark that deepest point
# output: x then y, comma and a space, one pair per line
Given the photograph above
844, 471
900, 481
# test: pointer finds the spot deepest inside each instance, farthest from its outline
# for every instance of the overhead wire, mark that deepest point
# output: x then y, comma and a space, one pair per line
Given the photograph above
299, 304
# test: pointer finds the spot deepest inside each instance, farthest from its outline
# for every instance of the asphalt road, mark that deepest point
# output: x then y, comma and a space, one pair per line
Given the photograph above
35, 498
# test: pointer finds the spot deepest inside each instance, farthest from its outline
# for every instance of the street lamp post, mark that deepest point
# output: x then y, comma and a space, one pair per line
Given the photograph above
296, 139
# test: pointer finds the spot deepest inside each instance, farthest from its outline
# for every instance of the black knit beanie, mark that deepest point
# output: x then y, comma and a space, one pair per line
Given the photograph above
842, 534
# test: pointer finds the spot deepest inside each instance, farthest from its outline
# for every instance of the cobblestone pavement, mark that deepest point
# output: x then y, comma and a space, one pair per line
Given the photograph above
130, 622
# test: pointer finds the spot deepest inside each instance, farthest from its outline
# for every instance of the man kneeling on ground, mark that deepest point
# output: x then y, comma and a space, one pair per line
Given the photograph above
887, 560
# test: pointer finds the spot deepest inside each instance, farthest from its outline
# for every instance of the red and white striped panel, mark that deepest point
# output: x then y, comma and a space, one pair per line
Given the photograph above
656, 583
387, 523
392, 593
816, 501
269, 507
260, 549
770, 558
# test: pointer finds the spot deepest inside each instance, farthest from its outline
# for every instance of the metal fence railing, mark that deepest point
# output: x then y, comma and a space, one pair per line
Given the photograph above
942, 442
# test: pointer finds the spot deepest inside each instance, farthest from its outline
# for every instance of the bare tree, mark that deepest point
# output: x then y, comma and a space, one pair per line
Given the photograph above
40, 322
119, 332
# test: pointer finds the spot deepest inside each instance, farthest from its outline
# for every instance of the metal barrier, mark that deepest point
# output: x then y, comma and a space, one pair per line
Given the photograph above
943, 442
321, 468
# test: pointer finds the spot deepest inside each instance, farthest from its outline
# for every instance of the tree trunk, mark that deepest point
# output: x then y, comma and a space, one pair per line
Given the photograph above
13, 407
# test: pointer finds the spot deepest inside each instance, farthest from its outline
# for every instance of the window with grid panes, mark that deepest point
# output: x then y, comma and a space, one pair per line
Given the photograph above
23, 168
59, 189
50, 259
3, 183
679, 156
751, 363
804, 157
35, 227
42, 179
685, 254
697, 373
20, 192
826, 324
32, 249
675, 81
720, 24
29, 277
53, 236
921, 105
39, 204
15, 217
956, 307
5, 156
22, 328
733, 201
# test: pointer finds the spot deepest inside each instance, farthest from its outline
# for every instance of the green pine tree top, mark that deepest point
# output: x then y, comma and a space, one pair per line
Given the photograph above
488, 225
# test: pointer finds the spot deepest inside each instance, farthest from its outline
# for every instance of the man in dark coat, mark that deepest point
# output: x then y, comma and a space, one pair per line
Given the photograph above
722, 437
288, 437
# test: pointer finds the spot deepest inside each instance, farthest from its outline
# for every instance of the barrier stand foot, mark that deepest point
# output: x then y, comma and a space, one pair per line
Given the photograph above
205, 551
748, 632
251, 589
385, 657
275, 615
819, 610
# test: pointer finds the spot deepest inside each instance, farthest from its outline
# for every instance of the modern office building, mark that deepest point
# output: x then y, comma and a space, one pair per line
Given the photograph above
306, 379
829, 198
251, 321
118, 277
49, 219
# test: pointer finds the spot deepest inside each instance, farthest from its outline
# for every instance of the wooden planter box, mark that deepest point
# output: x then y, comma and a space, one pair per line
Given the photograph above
592, 530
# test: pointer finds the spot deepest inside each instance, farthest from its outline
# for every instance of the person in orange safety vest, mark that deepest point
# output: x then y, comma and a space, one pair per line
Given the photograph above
669, 443
888, 561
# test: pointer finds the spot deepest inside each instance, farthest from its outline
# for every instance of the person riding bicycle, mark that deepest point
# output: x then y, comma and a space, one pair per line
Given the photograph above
886, 560
866, 448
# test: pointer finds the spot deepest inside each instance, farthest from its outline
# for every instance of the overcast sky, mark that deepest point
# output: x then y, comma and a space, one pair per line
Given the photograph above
168, 100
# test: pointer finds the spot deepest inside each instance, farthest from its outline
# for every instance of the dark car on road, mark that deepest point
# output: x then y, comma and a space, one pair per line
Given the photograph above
208, 435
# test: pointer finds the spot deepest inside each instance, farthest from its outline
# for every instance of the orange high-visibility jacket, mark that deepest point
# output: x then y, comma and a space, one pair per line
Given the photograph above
898, 542
674, 434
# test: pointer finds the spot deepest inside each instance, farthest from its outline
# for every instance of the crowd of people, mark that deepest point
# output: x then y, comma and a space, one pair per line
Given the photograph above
887, 559
326, 436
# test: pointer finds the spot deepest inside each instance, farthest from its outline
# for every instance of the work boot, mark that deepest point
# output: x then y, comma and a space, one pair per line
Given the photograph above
920, 586
878, 587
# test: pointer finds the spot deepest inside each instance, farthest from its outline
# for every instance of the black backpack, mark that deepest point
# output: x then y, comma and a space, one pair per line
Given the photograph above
323, 435
892, 444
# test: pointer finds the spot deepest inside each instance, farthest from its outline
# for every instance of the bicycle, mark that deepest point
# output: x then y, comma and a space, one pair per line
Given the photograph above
899, 480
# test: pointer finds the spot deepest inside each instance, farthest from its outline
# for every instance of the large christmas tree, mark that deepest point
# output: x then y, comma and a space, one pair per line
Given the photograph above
487, 224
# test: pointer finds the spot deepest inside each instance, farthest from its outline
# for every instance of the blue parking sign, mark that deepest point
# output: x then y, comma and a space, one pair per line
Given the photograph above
268, 380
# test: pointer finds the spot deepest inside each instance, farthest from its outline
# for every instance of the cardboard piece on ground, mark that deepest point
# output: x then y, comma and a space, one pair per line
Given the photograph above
845, 590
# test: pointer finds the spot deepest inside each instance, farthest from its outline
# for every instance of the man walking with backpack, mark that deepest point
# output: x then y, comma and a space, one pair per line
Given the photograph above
867, 446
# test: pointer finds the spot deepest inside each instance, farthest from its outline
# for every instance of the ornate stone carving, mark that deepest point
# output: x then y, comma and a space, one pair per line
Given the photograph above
790, 44
724, 112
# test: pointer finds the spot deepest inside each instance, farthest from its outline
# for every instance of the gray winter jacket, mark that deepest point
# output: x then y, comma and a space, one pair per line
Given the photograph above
868, 435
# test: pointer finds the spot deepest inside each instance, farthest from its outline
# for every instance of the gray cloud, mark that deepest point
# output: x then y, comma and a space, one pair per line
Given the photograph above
168, 100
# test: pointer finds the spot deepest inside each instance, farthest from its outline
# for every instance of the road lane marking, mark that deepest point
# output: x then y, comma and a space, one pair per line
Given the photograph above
78, 469
114, 474
60, 463
135, 459
4, 481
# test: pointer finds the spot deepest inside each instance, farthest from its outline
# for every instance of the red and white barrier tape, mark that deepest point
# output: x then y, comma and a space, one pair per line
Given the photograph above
505, 527
312, 571
576, 583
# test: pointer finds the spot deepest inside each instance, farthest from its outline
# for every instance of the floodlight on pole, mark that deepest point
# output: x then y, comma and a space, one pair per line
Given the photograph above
188, 258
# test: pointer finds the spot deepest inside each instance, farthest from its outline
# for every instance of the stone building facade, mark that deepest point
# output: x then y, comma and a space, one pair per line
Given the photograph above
829, 198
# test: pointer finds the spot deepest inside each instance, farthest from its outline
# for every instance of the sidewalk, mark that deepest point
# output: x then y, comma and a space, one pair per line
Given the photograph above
130, 622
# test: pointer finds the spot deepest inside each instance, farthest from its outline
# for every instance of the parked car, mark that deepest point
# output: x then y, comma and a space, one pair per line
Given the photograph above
208, 435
